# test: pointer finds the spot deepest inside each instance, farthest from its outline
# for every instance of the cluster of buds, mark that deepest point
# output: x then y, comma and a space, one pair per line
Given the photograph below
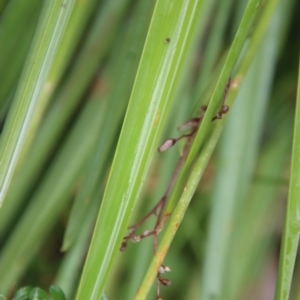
162, 281
191, 126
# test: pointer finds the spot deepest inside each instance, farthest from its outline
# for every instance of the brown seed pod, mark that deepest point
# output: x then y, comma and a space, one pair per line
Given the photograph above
166, 145
164, 281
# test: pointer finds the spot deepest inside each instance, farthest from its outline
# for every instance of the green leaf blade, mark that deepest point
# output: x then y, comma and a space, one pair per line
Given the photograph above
155, 84
290, 241
19, 125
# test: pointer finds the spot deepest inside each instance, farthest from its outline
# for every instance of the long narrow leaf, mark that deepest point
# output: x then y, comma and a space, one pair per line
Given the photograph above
121, 75
178, 213
290, 241
68, 98
167, 43
187, 194
237, 160
17, 26
50, 199
50, 28
216, 98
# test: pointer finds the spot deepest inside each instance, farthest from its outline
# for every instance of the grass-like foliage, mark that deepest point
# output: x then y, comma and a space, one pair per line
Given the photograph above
149, 149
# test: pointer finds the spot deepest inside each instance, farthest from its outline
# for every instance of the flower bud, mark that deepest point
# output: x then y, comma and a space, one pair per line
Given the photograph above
166, 145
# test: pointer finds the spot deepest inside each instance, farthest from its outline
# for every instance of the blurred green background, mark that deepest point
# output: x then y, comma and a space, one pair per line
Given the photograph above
228, 244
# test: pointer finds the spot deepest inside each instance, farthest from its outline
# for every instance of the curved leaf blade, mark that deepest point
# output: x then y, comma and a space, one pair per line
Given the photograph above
20, 125
167, 43
291, 232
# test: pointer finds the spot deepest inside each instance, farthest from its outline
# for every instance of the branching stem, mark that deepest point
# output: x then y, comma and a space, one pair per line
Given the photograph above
158, 209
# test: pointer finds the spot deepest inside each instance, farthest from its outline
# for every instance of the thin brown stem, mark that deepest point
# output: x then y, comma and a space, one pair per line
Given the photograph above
158, 209
224, 109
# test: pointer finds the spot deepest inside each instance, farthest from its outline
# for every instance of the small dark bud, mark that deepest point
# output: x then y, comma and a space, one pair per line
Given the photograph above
224, 109
164, 281
123, 246
166, 145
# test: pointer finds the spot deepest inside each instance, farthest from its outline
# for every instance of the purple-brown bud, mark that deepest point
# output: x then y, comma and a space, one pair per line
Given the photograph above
166, 145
